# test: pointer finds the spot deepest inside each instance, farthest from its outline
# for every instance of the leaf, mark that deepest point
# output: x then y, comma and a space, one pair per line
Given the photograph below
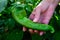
0, 36
3, 4
36, 37
9, 24
57, 35
15, 35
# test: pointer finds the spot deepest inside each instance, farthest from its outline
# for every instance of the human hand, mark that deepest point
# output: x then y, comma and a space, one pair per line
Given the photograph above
42, 14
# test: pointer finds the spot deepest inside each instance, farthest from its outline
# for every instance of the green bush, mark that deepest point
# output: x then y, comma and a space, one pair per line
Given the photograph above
11, 30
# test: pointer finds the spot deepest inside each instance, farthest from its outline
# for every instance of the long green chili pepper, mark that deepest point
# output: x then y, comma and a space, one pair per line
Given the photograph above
20, 16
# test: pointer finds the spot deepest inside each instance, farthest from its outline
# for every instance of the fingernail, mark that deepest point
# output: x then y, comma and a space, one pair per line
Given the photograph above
41, 33
24, 29
35, 20
35, 31
30, 30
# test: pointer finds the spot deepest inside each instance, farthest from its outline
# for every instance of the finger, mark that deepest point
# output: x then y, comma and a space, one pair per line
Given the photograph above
32, 15
24, 29
48, 15
31, 31
36, 31
37, 15
41, 33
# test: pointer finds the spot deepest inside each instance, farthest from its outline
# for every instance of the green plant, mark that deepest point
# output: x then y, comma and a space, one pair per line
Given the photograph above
10, 29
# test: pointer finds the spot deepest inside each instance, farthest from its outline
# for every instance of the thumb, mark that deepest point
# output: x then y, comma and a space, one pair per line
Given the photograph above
37, 15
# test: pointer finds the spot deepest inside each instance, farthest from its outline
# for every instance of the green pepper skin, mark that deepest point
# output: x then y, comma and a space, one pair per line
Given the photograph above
20, 17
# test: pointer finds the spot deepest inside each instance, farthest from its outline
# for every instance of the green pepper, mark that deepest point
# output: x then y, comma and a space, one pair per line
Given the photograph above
20, 17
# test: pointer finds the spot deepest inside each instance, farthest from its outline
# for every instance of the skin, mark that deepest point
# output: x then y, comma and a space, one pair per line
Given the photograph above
42, 14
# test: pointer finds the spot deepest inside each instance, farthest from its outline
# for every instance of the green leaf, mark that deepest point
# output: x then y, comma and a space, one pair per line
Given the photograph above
9, 24
15, 35
3, 4
36, 37
57, 35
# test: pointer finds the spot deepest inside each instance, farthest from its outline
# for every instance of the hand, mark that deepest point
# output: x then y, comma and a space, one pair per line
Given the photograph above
42, 14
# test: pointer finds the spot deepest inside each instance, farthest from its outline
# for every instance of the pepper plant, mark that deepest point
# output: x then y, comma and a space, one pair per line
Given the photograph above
11, 28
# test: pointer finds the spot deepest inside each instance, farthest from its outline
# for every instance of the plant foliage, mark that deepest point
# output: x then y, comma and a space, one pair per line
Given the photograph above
11, 30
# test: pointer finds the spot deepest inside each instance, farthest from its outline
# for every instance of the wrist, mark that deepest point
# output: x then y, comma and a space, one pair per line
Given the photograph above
52, 1
49, 1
